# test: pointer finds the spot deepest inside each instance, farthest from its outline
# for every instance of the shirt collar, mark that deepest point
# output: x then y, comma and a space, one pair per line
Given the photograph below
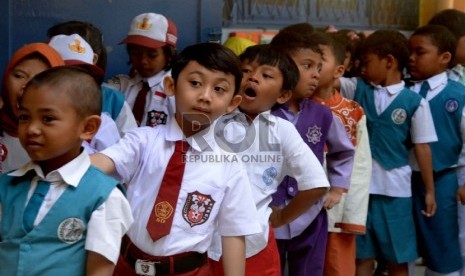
391, 89
158, 78
436, 80
240, 116
459, 69
71, 173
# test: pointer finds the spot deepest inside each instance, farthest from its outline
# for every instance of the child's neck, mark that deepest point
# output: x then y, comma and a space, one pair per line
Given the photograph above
48, 166
190, 128
294, 104
392, 77
324, 92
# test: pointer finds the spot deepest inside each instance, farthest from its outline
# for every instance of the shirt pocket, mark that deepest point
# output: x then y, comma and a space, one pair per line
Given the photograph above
197, 207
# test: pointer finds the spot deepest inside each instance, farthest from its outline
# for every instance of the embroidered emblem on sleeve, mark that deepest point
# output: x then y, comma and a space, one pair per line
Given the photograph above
268, 175
452, 105
398, 116
71, 230
197, 208
314, 134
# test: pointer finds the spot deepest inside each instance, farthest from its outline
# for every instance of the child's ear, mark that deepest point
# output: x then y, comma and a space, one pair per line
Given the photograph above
168, 83
390, 61
284, 97
339, 72
445, 58
235, 102
91, 125
95, 59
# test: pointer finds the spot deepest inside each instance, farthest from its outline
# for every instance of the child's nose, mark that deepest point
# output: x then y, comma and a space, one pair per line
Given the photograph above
253, 78
206, 95
33, 128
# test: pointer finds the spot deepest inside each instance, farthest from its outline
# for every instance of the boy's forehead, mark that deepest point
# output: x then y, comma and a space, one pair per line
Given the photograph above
306, 54
193, 67
421, 39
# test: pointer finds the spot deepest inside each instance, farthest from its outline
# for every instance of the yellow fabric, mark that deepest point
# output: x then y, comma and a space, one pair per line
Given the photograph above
238, 44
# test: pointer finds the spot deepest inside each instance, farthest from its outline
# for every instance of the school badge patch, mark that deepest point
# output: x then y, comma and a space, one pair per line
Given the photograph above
155, 118
451, 105
163, 211
314, 134
71, 230
197, 208
398, 116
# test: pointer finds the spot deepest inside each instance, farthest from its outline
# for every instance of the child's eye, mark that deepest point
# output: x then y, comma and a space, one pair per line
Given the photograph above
306, 66
246, 71
266, 76
18, 76
23, 117
220, 89
195, 83
153, 55
48, 119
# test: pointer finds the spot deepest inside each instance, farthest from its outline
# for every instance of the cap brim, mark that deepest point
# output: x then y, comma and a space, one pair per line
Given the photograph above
94, 70
143, 41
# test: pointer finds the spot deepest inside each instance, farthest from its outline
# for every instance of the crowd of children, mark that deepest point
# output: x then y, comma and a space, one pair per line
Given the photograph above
323, 152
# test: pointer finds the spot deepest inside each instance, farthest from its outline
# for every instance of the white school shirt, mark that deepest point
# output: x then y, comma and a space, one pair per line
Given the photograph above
271, 148
158, 106
395, 182
437, 83
108, 222
141, 158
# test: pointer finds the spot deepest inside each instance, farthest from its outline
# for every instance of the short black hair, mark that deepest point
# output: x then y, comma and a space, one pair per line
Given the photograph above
88, 32
78, 85
387, 42
295, 37
212, 56
343, 40
335, 45
452, 19
267, 54
440, 37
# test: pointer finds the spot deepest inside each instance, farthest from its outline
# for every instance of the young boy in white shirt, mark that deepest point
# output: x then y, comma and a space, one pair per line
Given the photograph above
215, 192
272, 148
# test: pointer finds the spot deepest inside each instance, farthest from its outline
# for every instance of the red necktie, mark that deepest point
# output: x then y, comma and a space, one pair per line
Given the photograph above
161, 218
139, 104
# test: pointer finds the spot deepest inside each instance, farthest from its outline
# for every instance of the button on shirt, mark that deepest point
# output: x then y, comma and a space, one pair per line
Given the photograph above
141, 158
108, 222
271, 148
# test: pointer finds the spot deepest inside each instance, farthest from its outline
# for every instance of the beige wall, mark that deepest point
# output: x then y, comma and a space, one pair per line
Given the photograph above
429, 7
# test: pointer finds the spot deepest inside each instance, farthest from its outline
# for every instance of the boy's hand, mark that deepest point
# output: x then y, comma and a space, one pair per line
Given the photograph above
333, 197
461, 195
431, 206
276, 217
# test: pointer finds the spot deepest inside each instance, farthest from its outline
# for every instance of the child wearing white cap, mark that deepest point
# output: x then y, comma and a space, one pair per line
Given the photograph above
75, 51
151, 46
113, 103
